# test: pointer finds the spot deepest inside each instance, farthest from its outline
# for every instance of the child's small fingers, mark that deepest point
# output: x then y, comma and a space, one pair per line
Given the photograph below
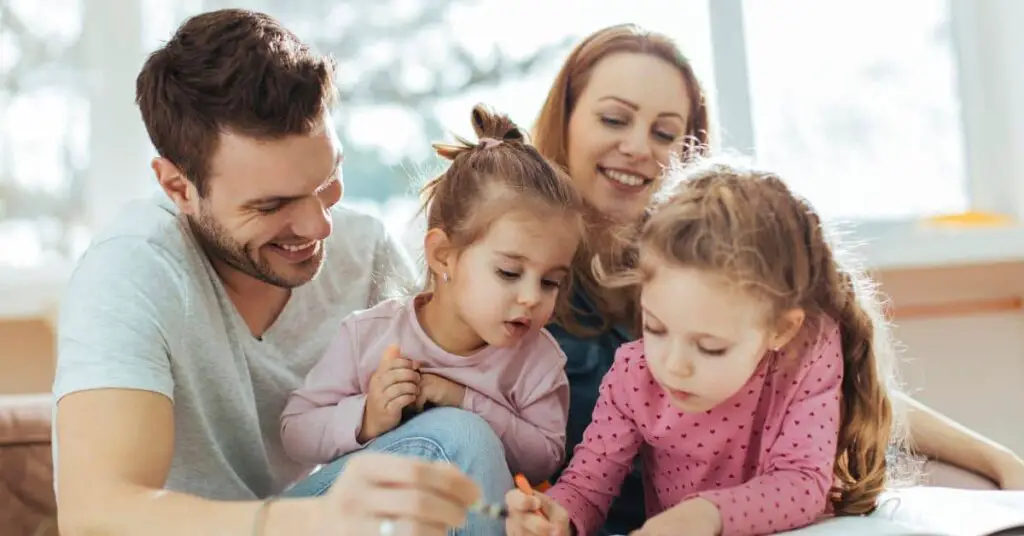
398, 363
521, 503
402, 375
536, 525
395, 405
555, 513
391, 352
514, 527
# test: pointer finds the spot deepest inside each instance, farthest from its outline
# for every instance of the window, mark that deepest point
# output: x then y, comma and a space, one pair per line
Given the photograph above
409, 73
44, 119
402, 64
856, 104
875, 110
71, 143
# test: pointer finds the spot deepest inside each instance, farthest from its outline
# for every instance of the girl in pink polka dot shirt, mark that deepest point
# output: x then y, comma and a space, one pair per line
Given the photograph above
757, 398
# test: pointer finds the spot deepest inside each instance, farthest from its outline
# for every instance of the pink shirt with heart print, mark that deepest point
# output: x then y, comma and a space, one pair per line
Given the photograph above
764, 457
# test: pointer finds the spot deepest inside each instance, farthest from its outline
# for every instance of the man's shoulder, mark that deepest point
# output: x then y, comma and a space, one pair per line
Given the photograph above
361, 251
356, 225
150, 222
378, 320
356, 232
355, 236
388, 309
145, 241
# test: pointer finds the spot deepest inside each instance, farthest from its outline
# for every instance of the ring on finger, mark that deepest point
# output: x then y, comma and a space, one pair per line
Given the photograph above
387, 527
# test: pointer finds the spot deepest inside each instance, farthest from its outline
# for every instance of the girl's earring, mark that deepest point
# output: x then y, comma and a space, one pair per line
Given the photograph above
444, 277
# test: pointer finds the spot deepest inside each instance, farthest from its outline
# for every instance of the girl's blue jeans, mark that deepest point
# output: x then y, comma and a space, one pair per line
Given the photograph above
443, 434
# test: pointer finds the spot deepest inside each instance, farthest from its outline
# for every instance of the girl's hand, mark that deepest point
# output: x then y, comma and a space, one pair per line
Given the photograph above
440, 391
525, 519
694, 517
393, 386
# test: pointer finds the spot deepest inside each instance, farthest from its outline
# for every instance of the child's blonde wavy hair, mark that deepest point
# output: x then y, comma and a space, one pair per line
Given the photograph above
748, 226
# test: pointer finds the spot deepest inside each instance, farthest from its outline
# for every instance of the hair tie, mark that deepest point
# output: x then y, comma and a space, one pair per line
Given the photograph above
487, 143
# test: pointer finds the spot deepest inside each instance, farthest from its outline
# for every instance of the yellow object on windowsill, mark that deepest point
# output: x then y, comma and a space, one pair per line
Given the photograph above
971, 219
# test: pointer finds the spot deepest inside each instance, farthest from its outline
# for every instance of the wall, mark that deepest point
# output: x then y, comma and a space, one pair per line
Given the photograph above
969, 366
26, 356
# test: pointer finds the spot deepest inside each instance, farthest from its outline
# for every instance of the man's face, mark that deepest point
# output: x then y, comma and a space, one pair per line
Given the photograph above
266, 212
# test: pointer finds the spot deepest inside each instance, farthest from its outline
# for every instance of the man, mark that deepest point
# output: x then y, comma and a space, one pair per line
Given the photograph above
187, 323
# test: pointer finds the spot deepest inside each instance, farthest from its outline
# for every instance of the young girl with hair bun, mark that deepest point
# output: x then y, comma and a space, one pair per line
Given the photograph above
758, 396
503, 226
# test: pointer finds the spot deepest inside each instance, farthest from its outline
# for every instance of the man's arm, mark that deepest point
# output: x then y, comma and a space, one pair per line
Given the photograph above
115, 448
937, 436
115, 419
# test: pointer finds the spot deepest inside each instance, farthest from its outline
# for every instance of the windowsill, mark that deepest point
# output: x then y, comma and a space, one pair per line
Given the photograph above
910, 245
35, 291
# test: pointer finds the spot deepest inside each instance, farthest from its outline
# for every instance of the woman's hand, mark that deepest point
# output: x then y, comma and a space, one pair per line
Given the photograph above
439, 391
694, 517
387, 495
525, 519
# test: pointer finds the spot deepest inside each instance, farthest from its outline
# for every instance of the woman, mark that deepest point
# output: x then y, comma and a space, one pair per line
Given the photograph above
625, 100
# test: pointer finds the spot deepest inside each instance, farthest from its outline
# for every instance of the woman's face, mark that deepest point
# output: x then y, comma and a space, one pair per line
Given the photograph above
629, 118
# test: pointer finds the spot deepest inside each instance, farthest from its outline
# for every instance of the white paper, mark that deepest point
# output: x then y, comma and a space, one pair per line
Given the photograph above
930, 511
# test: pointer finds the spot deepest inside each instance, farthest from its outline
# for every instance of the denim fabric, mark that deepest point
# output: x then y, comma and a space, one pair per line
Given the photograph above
444, 434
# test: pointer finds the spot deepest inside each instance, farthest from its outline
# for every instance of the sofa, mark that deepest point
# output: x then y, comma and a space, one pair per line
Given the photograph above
27, 503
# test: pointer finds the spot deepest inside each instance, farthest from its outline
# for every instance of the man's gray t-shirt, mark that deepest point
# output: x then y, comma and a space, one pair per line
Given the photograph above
145, 310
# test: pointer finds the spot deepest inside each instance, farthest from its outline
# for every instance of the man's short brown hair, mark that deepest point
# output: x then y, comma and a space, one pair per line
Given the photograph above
230, 70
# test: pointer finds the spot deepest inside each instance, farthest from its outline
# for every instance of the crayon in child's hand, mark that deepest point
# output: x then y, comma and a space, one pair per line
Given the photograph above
524, 486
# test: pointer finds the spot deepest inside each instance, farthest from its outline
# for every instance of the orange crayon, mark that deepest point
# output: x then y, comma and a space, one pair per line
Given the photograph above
524, 486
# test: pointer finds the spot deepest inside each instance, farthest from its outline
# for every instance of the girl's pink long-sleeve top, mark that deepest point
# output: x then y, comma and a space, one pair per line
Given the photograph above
521, 391
764, 457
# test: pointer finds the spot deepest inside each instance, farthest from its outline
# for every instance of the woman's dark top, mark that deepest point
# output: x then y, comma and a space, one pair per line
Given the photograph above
588, 359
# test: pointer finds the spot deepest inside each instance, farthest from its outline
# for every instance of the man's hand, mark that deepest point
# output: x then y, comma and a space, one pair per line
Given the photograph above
439, 391
393, 386
412, 496
693, 517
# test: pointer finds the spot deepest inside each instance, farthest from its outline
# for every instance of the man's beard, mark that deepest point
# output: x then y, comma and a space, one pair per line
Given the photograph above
220, 246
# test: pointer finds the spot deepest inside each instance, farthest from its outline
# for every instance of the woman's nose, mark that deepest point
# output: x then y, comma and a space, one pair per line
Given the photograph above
636, 144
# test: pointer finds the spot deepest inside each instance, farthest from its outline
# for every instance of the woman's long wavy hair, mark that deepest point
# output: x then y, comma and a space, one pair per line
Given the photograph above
748, 226
551, 138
